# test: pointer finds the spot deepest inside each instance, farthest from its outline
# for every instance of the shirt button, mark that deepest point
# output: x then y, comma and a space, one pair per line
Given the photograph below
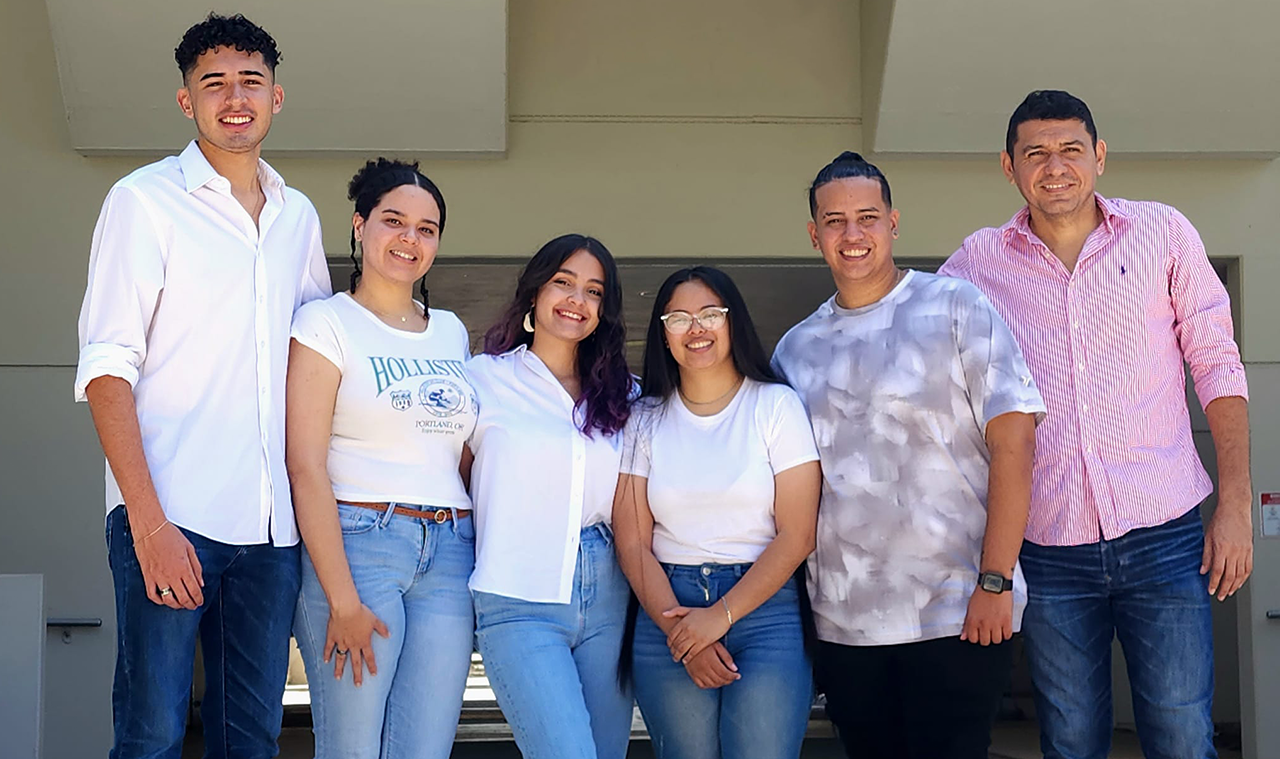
1088, 449
1077, 324
1086, 408
1081, 367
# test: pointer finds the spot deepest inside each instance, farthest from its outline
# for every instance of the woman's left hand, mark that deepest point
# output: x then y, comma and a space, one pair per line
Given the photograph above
697, 629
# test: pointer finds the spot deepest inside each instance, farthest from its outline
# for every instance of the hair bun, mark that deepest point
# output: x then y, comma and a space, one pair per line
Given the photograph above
849, 156
372, 170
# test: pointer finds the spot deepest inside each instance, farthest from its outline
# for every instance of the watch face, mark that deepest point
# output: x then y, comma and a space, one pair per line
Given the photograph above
992, 582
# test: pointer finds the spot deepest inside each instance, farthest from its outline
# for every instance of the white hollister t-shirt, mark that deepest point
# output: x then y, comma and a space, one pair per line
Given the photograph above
900, 393
404, 407
710, 478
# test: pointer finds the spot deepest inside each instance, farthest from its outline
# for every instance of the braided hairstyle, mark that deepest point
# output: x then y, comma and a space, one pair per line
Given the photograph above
370, 184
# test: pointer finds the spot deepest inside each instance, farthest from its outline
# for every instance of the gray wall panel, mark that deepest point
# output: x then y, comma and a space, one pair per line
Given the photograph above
52, 470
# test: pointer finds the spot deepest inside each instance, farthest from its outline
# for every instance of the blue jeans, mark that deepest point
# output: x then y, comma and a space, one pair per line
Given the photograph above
412, 574
1144, 587
249, 592
763, 715
554, 667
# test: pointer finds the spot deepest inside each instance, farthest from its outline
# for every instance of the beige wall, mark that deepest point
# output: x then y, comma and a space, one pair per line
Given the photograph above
685, 130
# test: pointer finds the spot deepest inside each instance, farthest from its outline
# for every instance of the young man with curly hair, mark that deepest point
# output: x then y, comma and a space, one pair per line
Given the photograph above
197, 264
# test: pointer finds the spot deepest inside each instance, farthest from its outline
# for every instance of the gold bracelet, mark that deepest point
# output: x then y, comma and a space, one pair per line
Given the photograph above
727, 613
149, 534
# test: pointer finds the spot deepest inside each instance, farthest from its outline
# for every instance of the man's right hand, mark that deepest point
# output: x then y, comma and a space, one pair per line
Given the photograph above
168, 560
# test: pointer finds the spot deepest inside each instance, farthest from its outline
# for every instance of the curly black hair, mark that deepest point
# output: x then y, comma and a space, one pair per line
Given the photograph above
225, 31
367, 188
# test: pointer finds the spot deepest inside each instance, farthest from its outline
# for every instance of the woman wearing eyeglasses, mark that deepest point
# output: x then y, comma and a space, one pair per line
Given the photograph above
716, 508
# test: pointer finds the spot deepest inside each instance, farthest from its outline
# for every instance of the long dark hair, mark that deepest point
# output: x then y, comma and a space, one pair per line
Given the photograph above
370, 184
661, 375
602, 360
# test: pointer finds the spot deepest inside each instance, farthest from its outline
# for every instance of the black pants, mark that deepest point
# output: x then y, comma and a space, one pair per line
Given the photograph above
935, 699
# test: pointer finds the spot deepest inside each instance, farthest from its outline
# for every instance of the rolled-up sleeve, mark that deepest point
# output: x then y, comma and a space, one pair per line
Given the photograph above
126, 276
1202, 316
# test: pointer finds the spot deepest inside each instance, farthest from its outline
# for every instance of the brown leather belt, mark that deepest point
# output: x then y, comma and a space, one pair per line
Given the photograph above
439, 516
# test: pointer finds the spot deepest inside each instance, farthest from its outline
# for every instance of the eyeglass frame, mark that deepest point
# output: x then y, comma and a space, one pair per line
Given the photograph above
693, 318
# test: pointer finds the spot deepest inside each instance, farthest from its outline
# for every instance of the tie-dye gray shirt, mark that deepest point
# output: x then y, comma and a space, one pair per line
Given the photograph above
899, 393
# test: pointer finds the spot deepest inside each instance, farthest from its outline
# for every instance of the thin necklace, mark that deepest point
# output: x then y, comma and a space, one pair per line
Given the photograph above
726, 394
384, 315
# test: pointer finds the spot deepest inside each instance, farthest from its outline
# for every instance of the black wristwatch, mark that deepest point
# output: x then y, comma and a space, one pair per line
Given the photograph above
994, 582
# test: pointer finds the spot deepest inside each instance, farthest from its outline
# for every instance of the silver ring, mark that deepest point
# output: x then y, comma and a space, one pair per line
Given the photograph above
166, 592
341, 652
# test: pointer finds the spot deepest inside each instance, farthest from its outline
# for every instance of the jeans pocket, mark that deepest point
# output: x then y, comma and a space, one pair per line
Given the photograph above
107, 529
120, 538
354, 520
465, 529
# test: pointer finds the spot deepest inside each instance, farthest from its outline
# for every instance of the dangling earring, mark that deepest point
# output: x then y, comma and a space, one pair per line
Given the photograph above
528, 321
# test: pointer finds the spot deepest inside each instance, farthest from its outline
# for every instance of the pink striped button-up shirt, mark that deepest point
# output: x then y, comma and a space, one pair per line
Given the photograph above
1105, 343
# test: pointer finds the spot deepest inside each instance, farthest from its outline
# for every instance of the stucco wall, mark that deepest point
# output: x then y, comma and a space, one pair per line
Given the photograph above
624, 124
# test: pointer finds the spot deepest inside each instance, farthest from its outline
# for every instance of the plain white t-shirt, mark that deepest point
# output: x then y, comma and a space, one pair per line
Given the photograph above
404, 408
710, 478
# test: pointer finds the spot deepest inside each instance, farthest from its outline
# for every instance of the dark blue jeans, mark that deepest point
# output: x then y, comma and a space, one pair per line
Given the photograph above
249, 596
1144, 587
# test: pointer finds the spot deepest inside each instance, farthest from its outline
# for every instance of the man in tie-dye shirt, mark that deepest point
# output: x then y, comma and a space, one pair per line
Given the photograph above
924, 414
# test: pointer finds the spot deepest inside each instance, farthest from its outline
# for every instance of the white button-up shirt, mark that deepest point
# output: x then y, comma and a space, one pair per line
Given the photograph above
191, 303
537, 479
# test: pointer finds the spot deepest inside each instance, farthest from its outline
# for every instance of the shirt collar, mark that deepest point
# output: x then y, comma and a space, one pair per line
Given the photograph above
198, 172
1111, 214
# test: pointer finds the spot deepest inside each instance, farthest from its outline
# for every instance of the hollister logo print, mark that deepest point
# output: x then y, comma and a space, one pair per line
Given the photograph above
441, 397
388, 370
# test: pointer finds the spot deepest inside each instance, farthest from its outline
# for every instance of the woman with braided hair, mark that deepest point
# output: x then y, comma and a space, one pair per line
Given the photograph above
378, 409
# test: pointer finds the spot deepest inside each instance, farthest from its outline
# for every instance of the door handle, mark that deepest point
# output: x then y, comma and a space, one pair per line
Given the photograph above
90, 621
1273, 613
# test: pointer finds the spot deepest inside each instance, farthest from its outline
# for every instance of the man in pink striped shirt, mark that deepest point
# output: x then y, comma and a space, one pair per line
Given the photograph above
1107, 299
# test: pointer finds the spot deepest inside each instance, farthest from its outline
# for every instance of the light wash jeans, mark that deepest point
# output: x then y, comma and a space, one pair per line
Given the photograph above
554, 667
412, 574
1145, 588
761, 716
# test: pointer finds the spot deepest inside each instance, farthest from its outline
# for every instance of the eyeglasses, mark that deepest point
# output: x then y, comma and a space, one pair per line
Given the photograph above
680, 322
